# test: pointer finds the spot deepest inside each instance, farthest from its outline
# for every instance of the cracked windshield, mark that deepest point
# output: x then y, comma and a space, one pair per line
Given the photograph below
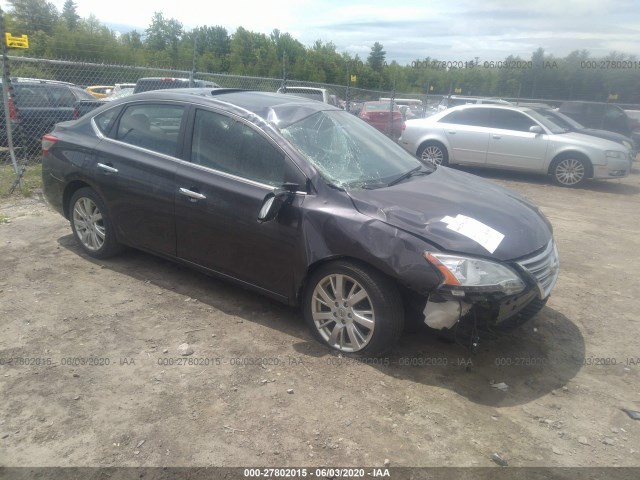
347, 152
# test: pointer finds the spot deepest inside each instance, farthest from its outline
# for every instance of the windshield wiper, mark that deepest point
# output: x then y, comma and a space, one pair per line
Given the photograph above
411, 173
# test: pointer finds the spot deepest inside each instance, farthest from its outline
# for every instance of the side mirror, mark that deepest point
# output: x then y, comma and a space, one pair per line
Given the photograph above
274, 201
535, 129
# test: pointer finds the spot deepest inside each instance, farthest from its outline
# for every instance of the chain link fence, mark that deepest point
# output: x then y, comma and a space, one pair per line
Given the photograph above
44, 92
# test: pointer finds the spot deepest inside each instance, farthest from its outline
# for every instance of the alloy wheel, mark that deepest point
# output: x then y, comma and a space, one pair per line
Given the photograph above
433, 154
570, 171
343, 312
89, 224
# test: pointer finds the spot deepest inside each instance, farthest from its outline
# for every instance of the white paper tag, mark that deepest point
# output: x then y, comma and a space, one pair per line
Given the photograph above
477, 231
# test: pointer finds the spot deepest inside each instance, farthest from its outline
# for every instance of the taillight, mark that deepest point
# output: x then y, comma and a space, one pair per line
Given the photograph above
364, 115
48, 141
76, 114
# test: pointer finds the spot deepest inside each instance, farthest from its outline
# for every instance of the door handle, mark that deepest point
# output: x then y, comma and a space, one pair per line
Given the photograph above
452, 132
497, 137
107, 168
192, 194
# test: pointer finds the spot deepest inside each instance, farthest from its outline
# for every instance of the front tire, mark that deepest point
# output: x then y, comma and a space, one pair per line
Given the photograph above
570, 171
353, 308
433, 153
91, 225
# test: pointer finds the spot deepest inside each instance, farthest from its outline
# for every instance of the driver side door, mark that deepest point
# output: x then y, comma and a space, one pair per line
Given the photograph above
219, 192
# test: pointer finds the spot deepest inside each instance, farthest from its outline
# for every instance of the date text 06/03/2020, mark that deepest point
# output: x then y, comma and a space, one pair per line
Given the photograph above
322, 472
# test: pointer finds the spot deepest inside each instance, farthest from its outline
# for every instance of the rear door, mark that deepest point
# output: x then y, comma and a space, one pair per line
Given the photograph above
219, 194
135, 170
467, 134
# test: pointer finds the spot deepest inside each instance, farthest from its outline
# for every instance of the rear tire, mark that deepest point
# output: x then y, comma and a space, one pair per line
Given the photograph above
353, 309
433, 153
91, 224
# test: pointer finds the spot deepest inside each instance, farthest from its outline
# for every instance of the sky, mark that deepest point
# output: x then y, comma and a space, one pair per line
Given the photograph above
408, 29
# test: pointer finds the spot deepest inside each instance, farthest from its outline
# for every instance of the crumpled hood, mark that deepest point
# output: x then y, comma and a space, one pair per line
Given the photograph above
419, 205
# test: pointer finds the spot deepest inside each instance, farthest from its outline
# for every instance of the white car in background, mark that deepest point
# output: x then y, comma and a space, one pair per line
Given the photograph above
513, 138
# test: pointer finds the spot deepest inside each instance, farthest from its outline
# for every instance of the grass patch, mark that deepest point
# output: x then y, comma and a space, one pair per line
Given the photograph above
31, 180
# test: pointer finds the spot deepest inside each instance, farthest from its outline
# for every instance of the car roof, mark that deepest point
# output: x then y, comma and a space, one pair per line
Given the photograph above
276, 108
500, 106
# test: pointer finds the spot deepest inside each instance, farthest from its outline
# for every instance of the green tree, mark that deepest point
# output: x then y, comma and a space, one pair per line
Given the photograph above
163, 35
376, 59
34, 15
69, 14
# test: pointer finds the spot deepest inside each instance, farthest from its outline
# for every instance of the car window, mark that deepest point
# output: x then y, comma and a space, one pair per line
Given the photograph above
61, 96
105, 119
478, 117
31, 96
510, 120
224, 144
154, 127
614, 113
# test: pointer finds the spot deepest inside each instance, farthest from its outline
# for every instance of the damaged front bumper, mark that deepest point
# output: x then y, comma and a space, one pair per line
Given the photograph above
444, 311
448, 305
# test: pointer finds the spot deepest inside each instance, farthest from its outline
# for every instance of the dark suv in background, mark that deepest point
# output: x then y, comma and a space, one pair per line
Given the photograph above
35, 106
603, 116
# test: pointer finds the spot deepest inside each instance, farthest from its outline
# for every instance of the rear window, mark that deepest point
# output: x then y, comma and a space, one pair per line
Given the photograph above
571, 108
30, 96
381, 107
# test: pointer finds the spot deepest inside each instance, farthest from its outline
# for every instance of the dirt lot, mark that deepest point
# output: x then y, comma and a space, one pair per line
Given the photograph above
569, 371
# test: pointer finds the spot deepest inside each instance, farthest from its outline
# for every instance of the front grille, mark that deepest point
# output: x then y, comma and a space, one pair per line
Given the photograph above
543, 268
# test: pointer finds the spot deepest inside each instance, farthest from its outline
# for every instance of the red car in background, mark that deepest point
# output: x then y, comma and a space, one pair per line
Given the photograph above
380, 116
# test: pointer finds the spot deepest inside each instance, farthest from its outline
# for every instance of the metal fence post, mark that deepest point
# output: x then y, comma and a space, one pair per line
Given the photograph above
5, 101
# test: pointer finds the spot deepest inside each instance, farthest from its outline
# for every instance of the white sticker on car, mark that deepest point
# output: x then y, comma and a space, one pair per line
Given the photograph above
486, 236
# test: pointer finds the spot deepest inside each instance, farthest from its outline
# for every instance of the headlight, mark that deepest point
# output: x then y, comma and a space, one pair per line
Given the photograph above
474, 274
616, 154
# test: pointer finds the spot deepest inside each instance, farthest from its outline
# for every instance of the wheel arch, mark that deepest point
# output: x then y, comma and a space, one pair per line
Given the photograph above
324, 261
69, 190
568, 154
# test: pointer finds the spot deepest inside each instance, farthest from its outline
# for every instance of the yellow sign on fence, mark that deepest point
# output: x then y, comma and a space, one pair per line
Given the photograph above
16, 42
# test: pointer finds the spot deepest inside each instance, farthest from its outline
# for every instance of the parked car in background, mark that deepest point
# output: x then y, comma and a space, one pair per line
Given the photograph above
455, 100
35, 106
383, 117
603, 116
320, 94
161, 83
515, 138
305, 203
409, 107
121, 90
100, 91
571, 125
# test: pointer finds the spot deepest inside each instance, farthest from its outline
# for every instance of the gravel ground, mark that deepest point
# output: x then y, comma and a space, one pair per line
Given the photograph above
92, 373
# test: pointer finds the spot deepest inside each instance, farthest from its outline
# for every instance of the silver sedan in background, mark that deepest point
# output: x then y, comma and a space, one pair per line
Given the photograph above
514, 138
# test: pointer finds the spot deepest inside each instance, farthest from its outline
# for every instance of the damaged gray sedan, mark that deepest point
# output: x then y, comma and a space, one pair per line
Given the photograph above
305, 203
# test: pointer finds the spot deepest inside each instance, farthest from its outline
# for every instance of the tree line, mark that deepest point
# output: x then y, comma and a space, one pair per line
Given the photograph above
165, 43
